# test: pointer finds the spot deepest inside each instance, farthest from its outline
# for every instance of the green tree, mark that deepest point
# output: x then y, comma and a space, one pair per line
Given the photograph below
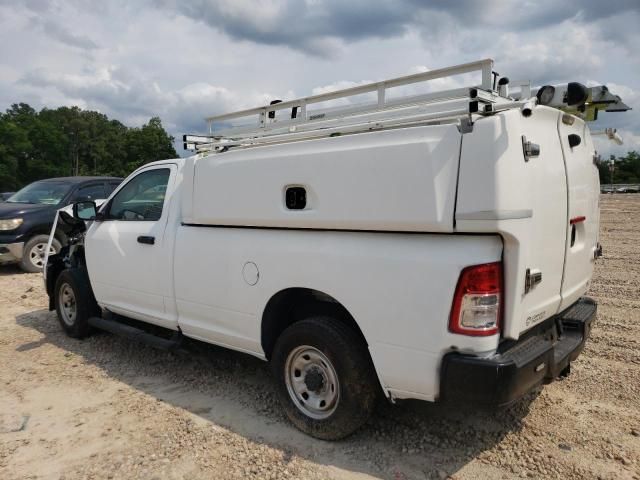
71, 141
626, 169
14, 145
148, 143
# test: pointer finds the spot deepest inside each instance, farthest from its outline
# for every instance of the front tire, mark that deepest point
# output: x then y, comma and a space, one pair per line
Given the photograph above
325, 378
34, 252
74, 302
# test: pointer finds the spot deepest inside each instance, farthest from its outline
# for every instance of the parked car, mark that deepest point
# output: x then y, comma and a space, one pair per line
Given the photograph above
5, 195
27, 215
439, 255
628, 189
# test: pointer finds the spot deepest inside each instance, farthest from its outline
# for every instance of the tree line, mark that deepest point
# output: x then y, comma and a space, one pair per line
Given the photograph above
625, 169
69, 141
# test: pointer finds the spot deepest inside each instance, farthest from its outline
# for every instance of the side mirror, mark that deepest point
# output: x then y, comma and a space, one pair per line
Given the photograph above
85, 210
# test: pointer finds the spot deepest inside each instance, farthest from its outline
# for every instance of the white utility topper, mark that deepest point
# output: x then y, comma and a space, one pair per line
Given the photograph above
434, 246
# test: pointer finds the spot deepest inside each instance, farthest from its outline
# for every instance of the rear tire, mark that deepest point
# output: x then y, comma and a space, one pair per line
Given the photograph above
74, 302
34, 252
325, 378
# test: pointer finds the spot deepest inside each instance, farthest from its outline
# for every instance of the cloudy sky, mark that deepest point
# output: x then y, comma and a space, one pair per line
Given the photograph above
185, 59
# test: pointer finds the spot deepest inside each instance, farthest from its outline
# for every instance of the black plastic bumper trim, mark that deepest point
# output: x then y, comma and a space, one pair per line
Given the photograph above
540, 356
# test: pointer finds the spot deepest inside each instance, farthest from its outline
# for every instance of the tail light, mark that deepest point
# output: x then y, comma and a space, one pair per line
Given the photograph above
476, 308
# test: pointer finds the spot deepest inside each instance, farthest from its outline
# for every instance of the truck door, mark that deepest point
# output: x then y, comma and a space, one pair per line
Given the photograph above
129, 253
583, 211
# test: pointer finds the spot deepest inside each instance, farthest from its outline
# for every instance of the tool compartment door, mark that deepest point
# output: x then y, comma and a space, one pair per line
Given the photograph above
522, 198
583, 193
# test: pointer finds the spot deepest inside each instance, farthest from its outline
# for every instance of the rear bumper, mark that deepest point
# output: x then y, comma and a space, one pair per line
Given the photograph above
539, 356
11, 252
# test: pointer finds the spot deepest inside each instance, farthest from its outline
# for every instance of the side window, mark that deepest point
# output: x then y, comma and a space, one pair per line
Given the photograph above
110, 187
141, 198
90, 192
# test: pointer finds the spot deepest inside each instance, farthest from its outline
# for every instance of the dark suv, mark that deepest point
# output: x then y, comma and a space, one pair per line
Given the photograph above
27, 216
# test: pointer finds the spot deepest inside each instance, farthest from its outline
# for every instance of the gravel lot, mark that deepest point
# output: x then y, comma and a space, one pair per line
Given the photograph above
108, 408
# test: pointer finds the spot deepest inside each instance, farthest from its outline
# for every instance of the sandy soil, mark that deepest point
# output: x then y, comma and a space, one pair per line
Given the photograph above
108, 408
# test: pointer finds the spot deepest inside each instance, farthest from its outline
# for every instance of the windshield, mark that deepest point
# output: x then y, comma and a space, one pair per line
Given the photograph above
44, 193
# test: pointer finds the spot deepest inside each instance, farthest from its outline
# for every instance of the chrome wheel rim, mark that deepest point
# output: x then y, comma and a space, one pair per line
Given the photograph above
312, 382
37, 254
67, 302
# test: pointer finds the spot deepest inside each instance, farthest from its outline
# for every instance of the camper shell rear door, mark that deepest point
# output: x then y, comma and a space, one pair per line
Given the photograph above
523, 197
583, 209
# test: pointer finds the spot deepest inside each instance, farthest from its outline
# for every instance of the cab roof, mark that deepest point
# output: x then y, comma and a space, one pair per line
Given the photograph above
78, 179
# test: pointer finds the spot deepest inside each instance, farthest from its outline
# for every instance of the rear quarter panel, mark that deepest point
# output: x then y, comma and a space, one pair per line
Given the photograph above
398, 288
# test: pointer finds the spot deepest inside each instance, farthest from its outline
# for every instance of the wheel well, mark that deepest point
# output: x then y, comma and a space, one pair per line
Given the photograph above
294, 304
54, 268
44, 230
61, 261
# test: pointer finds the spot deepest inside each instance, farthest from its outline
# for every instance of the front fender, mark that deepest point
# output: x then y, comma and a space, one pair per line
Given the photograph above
54, 266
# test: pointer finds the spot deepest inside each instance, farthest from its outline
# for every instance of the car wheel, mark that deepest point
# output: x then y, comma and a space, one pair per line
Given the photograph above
74, 302
34, 253
325, 378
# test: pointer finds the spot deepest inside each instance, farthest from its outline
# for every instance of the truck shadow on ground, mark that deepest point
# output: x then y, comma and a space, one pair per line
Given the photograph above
411, 439
7, 270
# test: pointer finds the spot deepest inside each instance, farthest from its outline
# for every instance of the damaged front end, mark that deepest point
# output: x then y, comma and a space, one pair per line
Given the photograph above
70, 255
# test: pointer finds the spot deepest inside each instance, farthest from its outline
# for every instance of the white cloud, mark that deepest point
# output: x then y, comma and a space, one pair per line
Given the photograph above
184, 60
61, 34
134, 100
564, 52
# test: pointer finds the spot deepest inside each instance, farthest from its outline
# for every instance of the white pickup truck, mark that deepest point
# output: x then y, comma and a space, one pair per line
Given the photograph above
434, 247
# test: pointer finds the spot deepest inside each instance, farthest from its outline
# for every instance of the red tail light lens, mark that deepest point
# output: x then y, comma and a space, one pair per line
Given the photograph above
476, 308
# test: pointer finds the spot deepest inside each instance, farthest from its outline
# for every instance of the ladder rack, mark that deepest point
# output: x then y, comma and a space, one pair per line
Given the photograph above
484, 66
306, 118
303, 121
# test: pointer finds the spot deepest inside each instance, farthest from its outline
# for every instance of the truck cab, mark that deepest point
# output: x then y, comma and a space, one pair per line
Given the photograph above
413, 253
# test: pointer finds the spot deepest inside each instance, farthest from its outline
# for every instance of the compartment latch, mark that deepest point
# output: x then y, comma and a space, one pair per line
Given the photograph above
532, 278
529, 149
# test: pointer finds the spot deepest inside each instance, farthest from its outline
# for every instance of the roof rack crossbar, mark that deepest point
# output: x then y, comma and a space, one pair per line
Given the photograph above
485, 67
419, 119
324, 117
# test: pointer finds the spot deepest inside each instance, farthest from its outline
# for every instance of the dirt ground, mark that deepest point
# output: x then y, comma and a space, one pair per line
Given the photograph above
109, 408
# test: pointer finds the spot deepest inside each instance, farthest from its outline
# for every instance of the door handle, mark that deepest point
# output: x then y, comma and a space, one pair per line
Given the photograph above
146, 239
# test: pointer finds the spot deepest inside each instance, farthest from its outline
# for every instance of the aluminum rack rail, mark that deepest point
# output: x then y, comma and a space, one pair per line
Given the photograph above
297, 119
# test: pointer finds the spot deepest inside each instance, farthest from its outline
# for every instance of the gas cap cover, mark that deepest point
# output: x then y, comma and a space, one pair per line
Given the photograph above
250, 273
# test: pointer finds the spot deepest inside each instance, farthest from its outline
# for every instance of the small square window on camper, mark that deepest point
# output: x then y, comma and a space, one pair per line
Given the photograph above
296, 198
